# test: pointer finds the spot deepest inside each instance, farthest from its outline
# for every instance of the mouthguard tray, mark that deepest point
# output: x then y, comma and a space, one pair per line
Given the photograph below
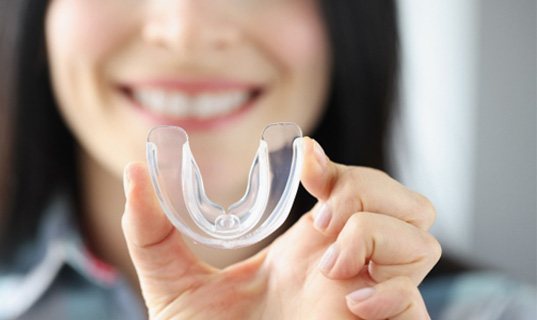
272, 185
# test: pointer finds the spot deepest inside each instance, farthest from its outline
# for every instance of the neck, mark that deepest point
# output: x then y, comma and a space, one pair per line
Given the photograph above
102, 205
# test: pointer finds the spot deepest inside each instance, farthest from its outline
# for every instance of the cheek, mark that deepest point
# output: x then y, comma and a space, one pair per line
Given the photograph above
83, 37
78, 29
297, 43
298, 46
296, 35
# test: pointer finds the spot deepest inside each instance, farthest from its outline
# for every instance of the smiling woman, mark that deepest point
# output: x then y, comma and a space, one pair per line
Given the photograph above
84, 81
207, 67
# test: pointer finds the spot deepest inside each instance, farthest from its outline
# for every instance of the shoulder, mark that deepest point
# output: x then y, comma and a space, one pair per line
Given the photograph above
479, 295
57, 277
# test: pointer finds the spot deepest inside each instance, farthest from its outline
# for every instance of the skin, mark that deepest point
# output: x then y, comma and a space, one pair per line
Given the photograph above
93, 46
285, 280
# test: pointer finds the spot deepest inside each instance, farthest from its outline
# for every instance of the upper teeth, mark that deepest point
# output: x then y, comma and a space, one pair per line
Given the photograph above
178, 104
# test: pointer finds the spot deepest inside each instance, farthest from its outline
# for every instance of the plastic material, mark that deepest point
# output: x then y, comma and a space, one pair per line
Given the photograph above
272, 186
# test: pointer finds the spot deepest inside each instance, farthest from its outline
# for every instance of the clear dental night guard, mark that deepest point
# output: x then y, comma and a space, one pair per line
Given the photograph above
272, 186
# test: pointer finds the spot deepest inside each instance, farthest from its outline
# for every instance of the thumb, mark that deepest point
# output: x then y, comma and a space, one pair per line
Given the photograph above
319, 174
164, 264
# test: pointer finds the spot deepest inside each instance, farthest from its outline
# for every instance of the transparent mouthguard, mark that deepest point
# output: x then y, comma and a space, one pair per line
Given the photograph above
272, 185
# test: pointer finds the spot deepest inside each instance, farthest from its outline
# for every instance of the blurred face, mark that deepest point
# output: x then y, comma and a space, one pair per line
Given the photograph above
221, 69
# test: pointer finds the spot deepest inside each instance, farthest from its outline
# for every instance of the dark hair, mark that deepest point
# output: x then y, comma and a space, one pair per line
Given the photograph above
37, 151
364, 44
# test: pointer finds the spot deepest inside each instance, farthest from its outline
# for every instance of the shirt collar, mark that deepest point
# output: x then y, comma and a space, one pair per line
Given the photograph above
60, 230
59, 243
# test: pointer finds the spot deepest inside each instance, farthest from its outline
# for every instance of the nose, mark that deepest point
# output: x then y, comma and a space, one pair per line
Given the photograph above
190, 25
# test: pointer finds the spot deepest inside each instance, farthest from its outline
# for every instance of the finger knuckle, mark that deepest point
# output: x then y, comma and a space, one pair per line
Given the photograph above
360, 174
435, 249
426, 209
359, 223
358, 181
354, 177
406, 287
404, 284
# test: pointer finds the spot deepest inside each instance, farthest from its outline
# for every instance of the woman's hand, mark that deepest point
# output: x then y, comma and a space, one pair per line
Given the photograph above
360, 253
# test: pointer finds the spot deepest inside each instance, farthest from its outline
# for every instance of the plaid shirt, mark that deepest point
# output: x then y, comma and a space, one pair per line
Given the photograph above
58, 278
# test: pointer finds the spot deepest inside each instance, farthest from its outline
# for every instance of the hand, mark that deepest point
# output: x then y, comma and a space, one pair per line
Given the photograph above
379, 233
283, 281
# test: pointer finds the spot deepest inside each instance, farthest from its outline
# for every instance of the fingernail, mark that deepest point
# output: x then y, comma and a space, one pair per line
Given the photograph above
320, 155
329, 259
323, 217
360, 295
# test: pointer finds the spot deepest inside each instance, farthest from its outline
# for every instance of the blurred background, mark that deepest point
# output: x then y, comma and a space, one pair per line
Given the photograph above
466, 136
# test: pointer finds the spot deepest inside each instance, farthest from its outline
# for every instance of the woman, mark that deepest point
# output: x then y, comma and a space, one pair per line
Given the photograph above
83, 82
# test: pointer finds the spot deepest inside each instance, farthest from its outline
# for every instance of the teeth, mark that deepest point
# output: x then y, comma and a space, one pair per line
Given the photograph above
202, 106
178, 105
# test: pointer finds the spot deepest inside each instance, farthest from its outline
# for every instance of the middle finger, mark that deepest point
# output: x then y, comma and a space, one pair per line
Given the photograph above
387, 246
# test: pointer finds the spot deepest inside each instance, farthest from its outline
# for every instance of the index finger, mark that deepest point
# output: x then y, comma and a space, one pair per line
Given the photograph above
344, 190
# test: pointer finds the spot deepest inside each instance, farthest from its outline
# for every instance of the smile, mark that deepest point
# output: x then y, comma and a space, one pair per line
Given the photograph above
201, 106
191, 103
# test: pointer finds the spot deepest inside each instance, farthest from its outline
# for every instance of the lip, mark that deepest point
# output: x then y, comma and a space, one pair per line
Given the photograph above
191, 87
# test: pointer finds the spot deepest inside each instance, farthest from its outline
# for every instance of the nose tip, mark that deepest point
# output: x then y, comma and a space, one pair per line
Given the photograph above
188, 25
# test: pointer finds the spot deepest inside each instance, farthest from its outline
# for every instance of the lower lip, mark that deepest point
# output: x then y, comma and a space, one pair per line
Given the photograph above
193, 124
